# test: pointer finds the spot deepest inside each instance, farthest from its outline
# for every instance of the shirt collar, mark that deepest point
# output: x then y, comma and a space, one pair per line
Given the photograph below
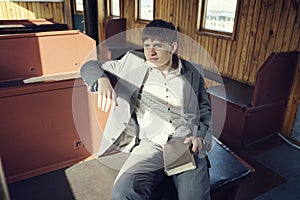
176, 72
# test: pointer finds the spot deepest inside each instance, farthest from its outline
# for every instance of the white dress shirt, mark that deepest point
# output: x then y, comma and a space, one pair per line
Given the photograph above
162, 106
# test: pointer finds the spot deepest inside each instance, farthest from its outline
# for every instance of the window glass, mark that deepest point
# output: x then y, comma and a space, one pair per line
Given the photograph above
220, 15
78, 5
146, 9
115, 8
78, 15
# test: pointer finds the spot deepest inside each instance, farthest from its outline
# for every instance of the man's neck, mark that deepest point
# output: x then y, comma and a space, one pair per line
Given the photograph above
167, 68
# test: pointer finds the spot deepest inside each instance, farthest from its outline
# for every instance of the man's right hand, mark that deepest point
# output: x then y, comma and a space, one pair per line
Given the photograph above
106, 94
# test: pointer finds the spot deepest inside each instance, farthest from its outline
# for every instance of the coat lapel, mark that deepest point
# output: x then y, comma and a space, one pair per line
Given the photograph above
127, 90
186, 73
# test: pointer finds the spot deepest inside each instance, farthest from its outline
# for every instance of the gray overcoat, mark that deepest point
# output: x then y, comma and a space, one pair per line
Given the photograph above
127, 75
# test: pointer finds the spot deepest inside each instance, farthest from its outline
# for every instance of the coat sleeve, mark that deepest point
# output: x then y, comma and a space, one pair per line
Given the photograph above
205, 130
91, 71
202, 126
205, 110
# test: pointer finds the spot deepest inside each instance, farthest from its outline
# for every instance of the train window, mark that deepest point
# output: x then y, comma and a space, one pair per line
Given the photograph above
78, 15
78, 4
218, 17
113, 8
145, 10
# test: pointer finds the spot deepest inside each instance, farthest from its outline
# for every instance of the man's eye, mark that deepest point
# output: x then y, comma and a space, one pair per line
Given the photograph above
146, 45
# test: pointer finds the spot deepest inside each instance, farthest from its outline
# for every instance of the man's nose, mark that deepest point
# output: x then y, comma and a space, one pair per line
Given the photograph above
152, 50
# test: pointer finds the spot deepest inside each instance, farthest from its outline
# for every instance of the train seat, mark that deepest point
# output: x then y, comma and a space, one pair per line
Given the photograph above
36, 85
30, 26
115, 44
255, 112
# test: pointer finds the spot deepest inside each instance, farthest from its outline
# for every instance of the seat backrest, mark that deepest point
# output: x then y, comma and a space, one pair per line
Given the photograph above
29, 55
115, 32
275, 78
30, 26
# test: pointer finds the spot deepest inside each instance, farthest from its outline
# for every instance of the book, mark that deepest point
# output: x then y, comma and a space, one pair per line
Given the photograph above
177, 157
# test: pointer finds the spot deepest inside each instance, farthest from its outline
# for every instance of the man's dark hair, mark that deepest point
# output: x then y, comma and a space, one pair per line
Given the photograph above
161, 30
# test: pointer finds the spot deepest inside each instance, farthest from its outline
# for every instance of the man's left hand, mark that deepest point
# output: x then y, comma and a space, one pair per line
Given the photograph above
197, 143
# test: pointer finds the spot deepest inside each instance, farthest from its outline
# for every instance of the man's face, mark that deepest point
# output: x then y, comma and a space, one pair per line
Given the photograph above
159, 53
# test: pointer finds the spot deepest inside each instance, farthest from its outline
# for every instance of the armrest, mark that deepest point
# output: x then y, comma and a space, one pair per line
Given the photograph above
52, 77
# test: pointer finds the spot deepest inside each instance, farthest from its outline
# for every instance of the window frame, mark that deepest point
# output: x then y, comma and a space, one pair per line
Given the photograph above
76, 10
138, 12
214, 33
109, 9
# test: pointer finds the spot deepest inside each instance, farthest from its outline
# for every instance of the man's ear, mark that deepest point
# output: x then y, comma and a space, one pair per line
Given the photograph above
174, 47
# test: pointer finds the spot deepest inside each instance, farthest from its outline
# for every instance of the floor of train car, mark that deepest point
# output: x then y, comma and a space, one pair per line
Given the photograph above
277, 172
259, 186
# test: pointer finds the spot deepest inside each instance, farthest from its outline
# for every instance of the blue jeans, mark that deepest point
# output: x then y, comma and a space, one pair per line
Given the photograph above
143, 172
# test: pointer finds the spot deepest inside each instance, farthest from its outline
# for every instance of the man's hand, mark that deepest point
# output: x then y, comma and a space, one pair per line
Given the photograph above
197, 143
106, 95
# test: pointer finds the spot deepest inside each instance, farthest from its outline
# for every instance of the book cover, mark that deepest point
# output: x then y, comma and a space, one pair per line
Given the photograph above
177, 157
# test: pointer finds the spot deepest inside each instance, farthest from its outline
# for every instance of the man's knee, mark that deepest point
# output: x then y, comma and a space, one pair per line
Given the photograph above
122, 189
126, 193
126, 187
120, 193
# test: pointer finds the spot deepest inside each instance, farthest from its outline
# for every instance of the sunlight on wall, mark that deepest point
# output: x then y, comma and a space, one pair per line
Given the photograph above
32, 10
11, 10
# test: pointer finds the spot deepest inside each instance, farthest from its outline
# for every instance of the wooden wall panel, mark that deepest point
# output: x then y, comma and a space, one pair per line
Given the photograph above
264, 26
32, 10
255, 33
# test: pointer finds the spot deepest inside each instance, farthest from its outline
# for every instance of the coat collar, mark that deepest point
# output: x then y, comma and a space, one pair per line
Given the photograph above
185, 66
186, 69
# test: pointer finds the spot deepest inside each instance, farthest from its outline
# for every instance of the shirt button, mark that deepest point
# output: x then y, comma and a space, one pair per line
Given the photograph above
167, 89
170, 121
166, 96
169, 108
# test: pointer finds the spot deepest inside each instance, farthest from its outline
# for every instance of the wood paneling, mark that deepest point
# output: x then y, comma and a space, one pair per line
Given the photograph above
264, 26
32, 10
